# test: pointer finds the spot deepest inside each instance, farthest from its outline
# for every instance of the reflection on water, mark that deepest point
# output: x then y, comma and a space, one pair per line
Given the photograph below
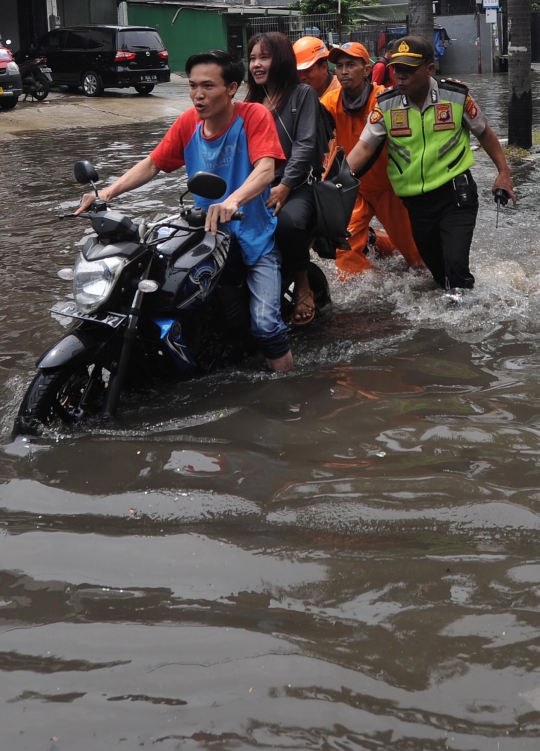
345, 557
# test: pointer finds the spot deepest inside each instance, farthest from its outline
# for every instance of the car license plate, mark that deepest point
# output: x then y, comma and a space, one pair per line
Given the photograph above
70, 310
148, 78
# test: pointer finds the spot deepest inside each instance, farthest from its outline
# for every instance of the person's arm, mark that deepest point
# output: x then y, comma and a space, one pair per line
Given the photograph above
138, 175
360, 155
256, 183
371, 142
491, 145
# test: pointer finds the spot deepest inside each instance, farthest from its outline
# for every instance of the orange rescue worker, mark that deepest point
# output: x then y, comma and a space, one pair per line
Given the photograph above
312, 65
350, 107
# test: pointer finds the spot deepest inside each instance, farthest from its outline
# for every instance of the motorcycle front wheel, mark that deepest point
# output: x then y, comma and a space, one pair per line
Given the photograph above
62, 396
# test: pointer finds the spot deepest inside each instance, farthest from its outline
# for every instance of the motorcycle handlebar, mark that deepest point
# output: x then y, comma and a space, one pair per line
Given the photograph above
238, 216
72, 216
97, 205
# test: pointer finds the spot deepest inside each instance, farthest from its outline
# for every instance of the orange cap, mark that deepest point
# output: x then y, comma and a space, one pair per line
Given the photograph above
354, 49
308, 50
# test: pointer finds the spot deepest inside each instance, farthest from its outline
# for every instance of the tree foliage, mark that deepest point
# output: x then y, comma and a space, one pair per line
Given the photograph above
309, 7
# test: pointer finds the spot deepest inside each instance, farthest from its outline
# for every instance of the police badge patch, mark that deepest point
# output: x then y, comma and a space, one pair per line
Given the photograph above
443, 117
375, 116
399, 123
470, 107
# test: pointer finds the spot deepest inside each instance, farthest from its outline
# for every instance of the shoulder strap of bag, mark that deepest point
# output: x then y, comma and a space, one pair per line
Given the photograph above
325, 123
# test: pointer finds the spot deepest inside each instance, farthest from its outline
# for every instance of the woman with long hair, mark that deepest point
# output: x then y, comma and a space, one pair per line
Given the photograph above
273, 81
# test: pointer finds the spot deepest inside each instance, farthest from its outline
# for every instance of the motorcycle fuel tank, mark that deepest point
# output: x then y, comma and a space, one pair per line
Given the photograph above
186, 274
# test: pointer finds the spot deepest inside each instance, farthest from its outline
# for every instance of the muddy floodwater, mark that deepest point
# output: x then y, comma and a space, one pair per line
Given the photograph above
344, 557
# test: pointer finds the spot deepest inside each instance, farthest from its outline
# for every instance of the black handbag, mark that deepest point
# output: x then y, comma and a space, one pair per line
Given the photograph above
335, 197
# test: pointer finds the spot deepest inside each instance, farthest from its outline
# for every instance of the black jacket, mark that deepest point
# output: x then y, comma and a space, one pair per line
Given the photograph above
299, 130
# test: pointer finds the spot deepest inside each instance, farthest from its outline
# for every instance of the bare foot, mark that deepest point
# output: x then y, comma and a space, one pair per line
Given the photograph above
282, 364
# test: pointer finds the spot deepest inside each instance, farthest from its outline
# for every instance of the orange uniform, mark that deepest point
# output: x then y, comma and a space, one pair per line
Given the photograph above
375, 198
334, 84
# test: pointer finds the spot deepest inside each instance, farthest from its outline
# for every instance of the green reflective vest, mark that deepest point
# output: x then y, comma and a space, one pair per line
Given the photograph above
426, 150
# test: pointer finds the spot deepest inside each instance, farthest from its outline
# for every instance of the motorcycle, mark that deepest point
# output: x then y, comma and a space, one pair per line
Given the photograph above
36, 78
150, 300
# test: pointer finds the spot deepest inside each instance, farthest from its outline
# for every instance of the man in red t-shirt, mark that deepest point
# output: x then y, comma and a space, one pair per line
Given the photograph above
239, 142
382, 73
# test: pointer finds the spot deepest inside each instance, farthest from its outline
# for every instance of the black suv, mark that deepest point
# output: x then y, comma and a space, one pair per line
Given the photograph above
101, 57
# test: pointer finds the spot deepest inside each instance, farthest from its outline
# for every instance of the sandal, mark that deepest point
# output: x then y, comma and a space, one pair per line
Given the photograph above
307, 302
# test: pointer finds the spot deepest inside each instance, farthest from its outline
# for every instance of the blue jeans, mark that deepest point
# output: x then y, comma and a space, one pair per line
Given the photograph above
264, 283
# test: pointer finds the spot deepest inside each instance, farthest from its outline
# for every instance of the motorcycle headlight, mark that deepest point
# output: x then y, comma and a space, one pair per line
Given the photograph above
93, 281
12, 68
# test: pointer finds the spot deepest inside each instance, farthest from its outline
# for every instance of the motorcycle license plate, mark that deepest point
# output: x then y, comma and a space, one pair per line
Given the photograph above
70, 310
148, 78
46, 70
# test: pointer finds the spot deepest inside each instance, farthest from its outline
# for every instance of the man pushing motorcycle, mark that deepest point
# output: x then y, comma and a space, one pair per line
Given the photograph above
425, 125
237, 141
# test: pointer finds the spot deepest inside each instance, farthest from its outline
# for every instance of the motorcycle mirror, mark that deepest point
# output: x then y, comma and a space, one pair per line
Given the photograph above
207, 185
85, 172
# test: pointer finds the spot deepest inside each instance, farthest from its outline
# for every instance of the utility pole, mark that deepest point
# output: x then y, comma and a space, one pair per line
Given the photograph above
478, 39
520, 108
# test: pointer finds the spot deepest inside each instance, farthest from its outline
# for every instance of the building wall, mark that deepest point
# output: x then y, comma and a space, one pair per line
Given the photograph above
9, 27
75, 12
461, 56
192, 31
535, 37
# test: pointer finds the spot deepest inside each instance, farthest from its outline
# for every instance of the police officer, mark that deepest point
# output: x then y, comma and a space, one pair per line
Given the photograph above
428, 125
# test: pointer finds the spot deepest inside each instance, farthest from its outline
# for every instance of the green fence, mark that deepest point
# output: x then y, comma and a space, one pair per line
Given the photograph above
184, 31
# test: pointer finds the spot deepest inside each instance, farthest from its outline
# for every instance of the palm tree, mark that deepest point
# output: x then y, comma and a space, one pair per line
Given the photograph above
519, 74
421, 18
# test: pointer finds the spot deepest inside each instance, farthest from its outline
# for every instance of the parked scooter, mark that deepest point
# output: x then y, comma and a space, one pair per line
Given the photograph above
150, 299
36, 78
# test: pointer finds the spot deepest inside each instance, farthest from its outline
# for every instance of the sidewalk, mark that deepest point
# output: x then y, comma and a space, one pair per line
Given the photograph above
115, 107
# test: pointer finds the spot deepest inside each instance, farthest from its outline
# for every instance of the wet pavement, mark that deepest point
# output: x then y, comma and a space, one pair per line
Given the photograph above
345, 557
64, 109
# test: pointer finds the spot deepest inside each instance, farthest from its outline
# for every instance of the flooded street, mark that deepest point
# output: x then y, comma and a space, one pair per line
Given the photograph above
345, 557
